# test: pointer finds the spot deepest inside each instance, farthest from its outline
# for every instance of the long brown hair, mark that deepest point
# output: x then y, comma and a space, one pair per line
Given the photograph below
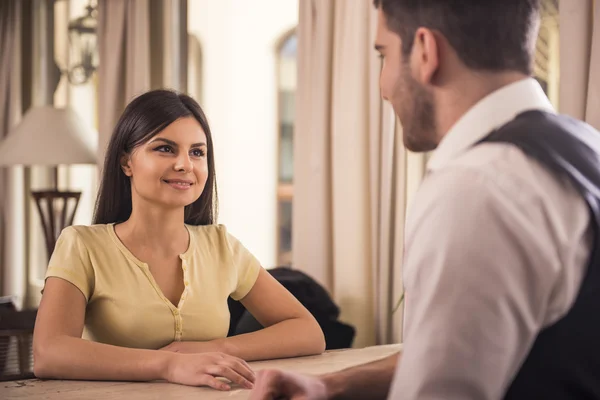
142, 119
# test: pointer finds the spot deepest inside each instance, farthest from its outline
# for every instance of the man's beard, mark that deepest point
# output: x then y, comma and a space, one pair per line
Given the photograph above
417, 114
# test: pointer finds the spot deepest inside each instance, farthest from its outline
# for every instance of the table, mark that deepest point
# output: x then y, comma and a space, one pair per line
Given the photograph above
80, 390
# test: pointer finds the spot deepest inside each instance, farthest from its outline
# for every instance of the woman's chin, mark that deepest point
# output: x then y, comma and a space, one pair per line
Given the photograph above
178, 203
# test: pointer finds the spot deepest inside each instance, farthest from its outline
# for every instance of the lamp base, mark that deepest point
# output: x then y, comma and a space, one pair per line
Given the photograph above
55, 213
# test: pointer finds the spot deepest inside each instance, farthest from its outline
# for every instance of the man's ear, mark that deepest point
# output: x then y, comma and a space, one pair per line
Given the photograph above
425, 55
126, 164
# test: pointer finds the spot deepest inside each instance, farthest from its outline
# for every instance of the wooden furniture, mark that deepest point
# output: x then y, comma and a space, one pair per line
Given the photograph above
16, 334
57, 210
49, 136
66, 390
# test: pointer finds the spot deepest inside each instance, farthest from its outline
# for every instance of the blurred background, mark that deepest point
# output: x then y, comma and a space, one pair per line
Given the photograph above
310, 171
237, 58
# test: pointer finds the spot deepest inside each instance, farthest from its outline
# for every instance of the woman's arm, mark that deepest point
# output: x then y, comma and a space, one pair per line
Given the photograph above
61, 353
290, 329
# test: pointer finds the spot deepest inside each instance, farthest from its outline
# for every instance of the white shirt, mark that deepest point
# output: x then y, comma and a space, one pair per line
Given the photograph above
495, 251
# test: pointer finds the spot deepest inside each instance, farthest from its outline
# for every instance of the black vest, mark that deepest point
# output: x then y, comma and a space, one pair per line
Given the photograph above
564, 362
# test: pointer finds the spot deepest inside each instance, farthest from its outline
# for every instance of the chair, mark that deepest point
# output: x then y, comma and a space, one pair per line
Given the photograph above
16, 340
313, 296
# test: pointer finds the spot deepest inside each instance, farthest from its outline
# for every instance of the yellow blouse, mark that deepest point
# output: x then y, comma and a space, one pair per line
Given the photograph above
125, 306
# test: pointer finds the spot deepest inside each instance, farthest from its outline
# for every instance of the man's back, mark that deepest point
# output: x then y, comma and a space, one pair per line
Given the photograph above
496, 249
564, 362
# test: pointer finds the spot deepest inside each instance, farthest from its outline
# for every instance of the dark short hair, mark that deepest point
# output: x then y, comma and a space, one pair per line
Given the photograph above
143, 118
491, 35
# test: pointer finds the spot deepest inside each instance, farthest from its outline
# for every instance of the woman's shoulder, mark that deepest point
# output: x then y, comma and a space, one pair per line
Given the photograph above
88, 234
215, 234
213, 230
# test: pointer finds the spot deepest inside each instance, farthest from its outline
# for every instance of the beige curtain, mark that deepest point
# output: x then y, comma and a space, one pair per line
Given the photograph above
124, 69
143, 46
579, 24
352, 176
13, 272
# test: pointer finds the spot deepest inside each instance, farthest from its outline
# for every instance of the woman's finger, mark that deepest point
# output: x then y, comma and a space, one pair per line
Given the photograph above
229, 373
241, 367
211, 381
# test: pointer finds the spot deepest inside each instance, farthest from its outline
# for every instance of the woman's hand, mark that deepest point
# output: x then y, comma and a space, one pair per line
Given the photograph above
204, 369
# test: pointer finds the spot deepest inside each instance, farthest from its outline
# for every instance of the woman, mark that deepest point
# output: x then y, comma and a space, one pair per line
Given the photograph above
142, 294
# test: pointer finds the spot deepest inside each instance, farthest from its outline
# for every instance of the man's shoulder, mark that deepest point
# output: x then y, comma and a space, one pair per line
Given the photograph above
500, 173
493, 159
497, 167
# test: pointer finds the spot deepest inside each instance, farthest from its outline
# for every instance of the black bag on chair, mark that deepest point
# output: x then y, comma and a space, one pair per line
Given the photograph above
312, 296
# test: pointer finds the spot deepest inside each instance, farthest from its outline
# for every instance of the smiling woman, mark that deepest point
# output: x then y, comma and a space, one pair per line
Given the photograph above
142, 294
162, 135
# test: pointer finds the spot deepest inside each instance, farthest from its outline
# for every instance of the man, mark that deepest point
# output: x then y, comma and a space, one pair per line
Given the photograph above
500, 302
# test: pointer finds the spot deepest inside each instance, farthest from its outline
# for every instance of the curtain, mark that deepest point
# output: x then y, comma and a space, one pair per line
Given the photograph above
124, 62
353, 178
13, 272
143, 46
579, 24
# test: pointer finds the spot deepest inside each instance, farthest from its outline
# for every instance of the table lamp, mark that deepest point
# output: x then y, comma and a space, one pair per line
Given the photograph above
51, 136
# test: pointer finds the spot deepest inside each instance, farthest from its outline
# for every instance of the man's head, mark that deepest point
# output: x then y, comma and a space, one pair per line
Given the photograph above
435, 49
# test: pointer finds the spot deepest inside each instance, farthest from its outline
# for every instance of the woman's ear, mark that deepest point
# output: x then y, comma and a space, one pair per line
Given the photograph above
126, 164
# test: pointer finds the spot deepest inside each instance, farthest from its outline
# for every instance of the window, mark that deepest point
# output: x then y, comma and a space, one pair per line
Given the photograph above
286, 75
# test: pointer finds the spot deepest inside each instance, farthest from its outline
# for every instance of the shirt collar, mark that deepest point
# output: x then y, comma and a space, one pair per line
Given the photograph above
491, 112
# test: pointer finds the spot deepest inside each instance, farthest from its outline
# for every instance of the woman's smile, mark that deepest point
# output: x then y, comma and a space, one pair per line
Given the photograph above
179, 184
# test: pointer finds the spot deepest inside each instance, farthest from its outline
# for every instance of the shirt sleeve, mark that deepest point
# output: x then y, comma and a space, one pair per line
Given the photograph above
477, 276
246, 267
70, 261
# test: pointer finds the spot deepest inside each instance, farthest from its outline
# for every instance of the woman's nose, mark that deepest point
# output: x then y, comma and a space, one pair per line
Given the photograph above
183, 163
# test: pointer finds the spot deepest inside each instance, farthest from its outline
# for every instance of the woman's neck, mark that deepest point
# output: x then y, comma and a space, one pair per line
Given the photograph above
155, 228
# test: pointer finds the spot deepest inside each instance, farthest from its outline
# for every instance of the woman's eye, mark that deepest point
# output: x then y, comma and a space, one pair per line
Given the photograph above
198, 153
164, 149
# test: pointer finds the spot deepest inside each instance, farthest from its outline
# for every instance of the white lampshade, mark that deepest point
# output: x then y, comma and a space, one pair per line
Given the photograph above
49, 136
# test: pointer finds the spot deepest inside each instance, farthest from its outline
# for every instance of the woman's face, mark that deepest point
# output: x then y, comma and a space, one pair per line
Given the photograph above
170, 170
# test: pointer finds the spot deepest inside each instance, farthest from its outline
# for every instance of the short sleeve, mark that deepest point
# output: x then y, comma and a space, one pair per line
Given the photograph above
246, 266
70, 261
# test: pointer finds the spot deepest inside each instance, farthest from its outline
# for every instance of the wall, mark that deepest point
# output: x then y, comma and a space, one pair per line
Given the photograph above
239, 39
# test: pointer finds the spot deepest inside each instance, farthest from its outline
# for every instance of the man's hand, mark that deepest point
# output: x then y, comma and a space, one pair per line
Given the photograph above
275, 384
369, 381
